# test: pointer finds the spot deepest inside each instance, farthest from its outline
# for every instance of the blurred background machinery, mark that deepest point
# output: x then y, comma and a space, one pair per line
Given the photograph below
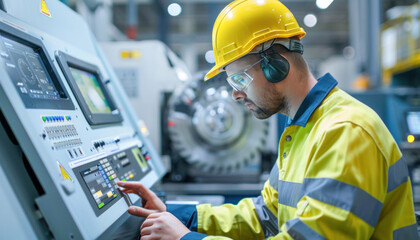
212, 137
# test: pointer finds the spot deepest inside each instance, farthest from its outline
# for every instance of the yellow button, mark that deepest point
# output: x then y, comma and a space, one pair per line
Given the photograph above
131, 175
410, 138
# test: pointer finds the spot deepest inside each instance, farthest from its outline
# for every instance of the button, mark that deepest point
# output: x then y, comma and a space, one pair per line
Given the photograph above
44, 119
284, 155
281, 174
68, 186
288, 138
147, 158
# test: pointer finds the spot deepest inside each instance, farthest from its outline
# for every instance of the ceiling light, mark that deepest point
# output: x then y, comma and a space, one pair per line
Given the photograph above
209, 56
310, 20
174, 9
323, 4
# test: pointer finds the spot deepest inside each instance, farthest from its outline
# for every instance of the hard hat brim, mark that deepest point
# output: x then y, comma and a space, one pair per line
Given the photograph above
213, 72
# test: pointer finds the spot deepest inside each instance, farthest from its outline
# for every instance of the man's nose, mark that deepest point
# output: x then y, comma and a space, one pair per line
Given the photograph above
238, 95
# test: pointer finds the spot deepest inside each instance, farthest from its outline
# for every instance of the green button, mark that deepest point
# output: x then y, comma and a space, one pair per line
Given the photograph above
123, 179
67, 118
115, 195
110, 177
44, 119
101, 205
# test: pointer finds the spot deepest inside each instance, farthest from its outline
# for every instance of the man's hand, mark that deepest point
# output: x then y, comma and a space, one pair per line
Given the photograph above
162, 226
151, 203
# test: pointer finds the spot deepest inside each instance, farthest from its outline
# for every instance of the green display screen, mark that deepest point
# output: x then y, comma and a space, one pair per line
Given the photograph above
91, 91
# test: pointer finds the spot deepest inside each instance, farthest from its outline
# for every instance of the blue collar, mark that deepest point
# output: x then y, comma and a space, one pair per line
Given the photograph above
314, 98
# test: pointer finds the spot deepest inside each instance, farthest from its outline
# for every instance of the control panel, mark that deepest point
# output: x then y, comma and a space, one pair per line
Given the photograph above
68, 132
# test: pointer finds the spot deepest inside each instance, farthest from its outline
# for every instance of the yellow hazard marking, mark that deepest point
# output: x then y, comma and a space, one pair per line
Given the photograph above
44, 8
63, 172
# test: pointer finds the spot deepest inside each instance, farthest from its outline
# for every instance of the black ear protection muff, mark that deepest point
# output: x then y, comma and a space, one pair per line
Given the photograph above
274, 66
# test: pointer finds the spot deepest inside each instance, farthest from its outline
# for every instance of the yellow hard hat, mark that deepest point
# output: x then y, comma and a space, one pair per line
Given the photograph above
244, 24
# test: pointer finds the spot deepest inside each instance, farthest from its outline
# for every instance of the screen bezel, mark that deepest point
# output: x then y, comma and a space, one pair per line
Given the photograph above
66, 62
38, 47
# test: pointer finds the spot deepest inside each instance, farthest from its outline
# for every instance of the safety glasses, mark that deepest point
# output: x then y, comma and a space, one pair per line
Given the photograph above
241, 80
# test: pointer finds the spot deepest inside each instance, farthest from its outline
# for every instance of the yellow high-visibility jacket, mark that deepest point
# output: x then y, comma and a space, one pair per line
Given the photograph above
339, 175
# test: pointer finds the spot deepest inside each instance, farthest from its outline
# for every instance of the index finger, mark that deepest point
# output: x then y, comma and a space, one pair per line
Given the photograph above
136, 186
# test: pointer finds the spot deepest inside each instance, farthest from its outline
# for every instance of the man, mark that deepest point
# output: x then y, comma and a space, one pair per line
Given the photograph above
339, 173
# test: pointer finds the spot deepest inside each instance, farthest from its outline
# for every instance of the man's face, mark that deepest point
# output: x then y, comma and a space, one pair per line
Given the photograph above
262, 97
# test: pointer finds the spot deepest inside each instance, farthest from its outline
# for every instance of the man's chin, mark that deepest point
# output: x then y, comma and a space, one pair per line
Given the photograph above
260, 115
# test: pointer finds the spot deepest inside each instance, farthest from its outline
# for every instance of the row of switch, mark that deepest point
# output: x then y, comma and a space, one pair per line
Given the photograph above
55, 118
68, 143
75, 152
102, 143
61, 131
99, 144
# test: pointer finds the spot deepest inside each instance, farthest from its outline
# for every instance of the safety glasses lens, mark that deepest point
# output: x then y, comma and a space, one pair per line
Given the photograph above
239, 81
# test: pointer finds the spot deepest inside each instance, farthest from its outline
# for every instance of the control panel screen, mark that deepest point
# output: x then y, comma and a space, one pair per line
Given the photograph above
32, 74
92, 93
99, 185
413, 122
98, 178
90, 90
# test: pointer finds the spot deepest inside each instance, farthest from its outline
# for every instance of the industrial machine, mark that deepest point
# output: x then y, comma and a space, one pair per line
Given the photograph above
67, 132
213, 138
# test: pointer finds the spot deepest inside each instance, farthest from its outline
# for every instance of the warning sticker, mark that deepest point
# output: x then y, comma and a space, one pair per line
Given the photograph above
63, 172
44, 8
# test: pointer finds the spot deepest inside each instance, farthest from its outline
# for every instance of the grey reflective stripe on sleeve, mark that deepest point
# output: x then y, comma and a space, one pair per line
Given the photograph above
289, 193
274, 176
344, 196
268, 220
397, 174
406, 233
298, 230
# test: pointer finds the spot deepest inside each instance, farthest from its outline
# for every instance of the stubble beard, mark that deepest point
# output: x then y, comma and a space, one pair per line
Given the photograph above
275, 104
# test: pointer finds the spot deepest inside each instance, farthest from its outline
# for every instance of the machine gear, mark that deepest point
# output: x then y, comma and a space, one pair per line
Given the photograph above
211, 131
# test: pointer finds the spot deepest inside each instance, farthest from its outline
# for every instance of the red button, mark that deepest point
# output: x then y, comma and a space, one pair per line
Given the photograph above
147, 158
